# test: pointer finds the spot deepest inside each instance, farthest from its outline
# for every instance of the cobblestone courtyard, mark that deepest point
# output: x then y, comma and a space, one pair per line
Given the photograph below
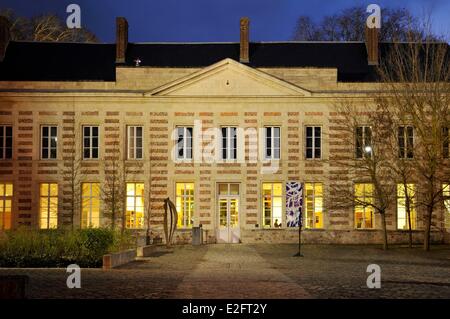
258, 271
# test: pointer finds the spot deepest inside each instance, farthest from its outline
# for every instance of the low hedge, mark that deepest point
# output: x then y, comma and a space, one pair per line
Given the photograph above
60, 248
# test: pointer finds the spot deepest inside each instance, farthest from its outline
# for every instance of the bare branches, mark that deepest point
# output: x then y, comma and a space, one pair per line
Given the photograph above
46, 27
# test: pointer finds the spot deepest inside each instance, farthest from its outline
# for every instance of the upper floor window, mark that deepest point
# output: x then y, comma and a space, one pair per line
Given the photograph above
135, 142
445, 142
313, 142
363, 142
229, 143
90, 142
272, 139
6, 142
405, 142
6, 197
405, 203
49, 139
184, 142
314, 205
364, 201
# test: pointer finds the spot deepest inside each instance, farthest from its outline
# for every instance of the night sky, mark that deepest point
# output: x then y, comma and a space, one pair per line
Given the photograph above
212, 20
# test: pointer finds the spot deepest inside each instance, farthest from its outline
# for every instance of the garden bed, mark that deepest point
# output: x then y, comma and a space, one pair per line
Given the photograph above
60, 248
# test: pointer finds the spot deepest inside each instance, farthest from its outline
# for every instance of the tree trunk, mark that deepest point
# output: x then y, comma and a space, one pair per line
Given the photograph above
427, 234
408, 212
384, 229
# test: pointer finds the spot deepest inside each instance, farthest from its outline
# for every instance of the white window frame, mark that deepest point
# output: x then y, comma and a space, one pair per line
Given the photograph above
364, 144
365, 197
272, 196
229, 155
313, 147
49, 137
3, 128
184, 145
90, 199
313, 199
406, 143
272, 143
4, 198
186, 222
91, 148
132, 142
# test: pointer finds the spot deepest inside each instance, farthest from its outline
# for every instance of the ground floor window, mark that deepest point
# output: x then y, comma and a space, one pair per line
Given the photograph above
314, 205
185, 204
90, 205
135, 206
6, 196
48, 205
446, 194
364, 211
272, 204
402, 213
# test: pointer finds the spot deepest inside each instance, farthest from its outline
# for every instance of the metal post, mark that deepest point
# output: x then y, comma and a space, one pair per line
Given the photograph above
300, 224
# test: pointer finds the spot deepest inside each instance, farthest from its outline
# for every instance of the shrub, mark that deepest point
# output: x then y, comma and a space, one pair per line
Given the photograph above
59, 248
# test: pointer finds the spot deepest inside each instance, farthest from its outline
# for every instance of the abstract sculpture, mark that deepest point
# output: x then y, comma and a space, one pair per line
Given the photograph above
170, 220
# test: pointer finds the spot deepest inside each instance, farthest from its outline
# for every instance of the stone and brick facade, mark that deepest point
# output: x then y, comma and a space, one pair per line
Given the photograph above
160, 95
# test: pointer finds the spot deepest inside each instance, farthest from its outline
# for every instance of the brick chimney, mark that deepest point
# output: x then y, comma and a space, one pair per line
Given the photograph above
121, 39
372, 45
5, 36
244, 51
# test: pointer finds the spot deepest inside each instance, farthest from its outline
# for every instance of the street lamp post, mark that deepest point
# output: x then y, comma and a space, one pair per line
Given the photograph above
300, 224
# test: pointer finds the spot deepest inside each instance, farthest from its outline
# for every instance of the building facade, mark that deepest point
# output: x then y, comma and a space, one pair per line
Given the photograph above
240, 136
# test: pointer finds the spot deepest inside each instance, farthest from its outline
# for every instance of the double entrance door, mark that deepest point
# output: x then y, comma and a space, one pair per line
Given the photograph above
228, 213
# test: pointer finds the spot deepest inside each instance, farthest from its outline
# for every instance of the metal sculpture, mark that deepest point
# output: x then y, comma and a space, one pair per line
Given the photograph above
170, 220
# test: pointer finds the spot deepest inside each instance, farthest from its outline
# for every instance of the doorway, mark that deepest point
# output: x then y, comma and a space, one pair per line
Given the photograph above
228, 213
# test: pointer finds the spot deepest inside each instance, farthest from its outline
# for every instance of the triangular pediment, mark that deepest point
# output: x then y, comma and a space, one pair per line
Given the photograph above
229, 78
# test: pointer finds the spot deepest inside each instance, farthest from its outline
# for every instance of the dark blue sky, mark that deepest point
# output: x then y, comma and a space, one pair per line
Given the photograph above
212, 20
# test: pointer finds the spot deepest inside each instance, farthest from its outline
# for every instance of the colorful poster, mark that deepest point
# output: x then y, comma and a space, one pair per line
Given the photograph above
294, 203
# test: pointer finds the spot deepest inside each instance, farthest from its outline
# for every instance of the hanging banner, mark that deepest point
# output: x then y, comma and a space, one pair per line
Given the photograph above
294, 203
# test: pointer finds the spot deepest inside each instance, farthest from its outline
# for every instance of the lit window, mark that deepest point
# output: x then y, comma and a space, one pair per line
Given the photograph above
314, 205
446, 195
272, 139
48, 205
363, 142
6, 197
185, 204
135, 142
402, 213
313, 142
229, 143
135, 205
49, 139
184, 143
364, 211
6, 142
90, 205
90, 142
405, 142
272, 204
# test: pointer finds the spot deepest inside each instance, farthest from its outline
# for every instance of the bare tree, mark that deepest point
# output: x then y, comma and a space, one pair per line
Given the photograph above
364, 135
114, 190
72, 172
45, 27
416, 76
397, 24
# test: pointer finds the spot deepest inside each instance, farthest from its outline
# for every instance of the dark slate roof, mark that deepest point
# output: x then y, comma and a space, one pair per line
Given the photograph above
56, 61
34, 61
350, 58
